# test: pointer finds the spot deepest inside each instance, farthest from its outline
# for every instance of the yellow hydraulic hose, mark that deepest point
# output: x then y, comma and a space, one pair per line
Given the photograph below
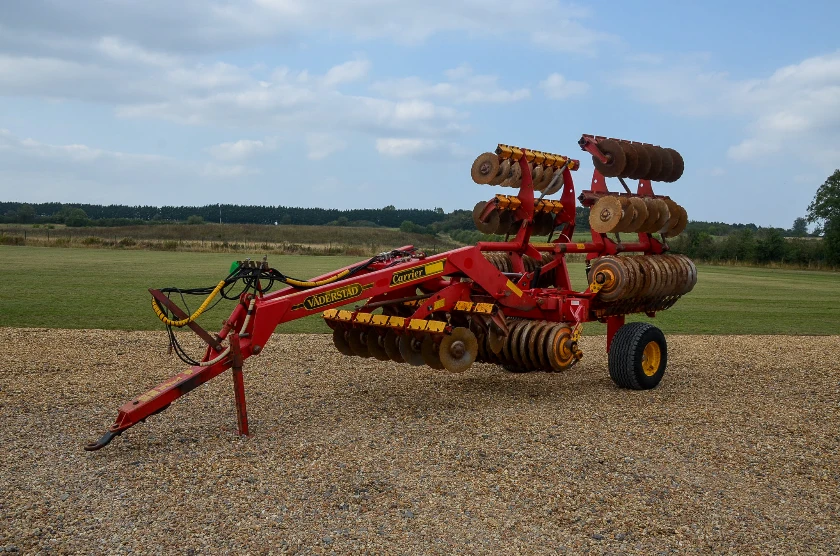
186, 321
307, 284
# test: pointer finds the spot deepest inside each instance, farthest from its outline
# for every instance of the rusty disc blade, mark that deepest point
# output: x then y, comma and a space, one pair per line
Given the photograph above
524, 346
643, 164
673, 217
660, 283
376, 345
682, 222
410, 350
484, 168
650, 279
614, 276
490, 224
652, 217
539, 345
504, 172
392, 346
357, 338
615, 158
560, 354
628, 215
458, 350
655, 162
537, 177
495, 339
515, 333
340, 341
631, 160
664, 215
641, 214
429, 351
667, 164
677, 168
605, 214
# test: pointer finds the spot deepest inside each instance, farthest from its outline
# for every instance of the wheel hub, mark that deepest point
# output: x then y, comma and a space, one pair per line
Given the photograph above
457, 349
651, 358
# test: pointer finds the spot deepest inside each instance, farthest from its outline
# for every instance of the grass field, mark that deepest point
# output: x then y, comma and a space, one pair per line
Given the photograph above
103, 288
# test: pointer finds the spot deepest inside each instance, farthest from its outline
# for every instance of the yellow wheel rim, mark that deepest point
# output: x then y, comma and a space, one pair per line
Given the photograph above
651, 358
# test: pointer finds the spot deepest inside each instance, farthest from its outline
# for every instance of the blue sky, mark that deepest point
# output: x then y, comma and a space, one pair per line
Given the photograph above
371, 103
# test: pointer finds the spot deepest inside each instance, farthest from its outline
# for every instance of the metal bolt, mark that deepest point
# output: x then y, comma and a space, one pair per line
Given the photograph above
256, 349
457, 349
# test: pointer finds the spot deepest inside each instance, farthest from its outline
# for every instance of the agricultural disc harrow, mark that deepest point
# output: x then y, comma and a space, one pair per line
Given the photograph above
507, 302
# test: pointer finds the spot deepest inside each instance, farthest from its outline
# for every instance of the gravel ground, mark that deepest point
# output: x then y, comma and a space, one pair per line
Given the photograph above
737, 451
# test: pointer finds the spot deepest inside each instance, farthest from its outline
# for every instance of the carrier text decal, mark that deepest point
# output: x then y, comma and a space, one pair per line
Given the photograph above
411, 274
344, 293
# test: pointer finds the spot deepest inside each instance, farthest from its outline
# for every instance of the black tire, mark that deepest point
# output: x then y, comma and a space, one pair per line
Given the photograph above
627, 351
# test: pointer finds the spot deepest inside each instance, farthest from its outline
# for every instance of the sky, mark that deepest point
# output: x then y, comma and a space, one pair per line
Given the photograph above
335, 104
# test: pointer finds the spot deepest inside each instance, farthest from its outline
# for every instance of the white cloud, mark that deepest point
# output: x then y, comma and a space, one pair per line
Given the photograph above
795, 112
322, 145
347, 72
193, 26
463, 86
44, 172
557, 87
242, 149
397, 147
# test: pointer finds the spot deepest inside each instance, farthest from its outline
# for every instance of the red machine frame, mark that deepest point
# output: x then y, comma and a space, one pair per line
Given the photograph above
450, 277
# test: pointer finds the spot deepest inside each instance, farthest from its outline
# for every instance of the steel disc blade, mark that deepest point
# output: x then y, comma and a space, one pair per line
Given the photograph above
664, 214
631, 160
655, 162
484, 168
429, 351
539, 345
504, 172
667, 164
560, 354
340, 341
376, 345
614, 275
628, 215
678, 166
410, 350
615, 158
643, 164
605, 214
392, 346
641, 214
495, 339
458, 350
648, 226
357, 339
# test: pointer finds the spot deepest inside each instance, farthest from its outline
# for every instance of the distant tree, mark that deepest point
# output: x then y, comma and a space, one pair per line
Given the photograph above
824, 210
76, 218
390, 208
799, 228
342, 221
770, 246
25, 214
195, 219
439, 210
408, 227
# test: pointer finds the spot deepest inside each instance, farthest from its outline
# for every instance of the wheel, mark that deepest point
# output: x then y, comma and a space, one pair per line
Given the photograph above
638, 356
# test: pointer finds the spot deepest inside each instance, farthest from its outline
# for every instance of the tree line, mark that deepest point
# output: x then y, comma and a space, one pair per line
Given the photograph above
78, 214
707, 241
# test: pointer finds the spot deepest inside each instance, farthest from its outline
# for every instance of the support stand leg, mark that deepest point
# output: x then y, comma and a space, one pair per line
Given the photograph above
613, 324
238, 385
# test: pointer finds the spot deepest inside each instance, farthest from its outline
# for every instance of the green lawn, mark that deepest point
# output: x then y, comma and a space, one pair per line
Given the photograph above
105, 288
